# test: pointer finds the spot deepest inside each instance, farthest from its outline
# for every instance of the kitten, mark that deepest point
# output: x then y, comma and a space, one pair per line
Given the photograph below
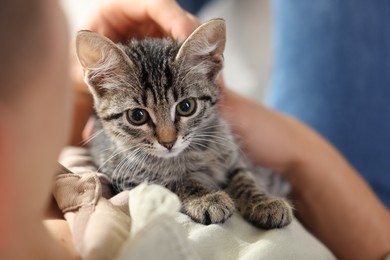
156, 101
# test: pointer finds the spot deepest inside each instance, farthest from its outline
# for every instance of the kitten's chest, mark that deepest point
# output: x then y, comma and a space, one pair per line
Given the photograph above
164, 171
214, 166
193, 165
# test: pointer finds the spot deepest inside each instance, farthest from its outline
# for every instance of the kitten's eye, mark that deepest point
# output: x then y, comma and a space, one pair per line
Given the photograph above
187, 107
137, 116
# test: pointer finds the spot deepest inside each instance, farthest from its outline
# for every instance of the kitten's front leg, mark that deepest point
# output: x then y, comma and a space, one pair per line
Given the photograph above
255, 205
205, 204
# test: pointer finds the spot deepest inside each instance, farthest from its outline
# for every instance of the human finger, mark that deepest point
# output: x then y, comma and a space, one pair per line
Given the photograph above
174, 20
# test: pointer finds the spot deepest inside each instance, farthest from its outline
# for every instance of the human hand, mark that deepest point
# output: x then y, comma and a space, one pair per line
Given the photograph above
121, 19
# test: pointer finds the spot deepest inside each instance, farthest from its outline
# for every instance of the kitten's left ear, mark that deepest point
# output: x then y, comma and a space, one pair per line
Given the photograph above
103, 62
204, 48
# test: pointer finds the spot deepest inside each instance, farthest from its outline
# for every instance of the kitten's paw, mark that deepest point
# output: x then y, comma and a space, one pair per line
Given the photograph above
269, 214
211, 208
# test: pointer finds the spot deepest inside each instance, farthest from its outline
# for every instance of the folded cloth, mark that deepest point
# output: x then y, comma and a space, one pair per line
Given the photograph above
101, 227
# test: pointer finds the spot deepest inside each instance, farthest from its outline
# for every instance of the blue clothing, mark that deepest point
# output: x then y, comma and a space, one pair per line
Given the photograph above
332, 71
192, 6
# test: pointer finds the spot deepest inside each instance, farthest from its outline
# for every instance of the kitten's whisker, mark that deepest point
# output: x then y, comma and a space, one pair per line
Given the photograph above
110, 148
221, 141
208, 127
96, 134
135, 161
138, 165
214, 152
117, 173
211, 137
217, 145
125, 162
113, 156
218, 126
194, 142
231, 143
142, 161
200, 142
215, 134
124, 173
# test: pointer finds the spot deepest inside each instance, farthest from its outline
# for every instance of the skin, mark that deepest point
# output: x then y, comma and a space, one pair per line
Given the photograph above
326, 188
30, 144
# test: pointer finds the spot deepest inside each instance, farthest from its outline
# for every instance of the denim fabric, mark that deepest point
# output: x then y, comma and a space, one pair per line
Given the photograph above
332, 71
192, 6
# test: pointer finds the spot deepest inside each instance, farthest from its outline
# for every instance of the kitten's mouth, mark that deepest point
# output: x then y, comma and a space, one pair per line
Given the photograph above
169, 153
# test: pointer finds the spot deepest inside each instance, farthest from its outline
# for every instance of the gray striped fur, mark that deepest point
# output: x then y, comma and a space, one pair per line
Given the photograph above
204, 167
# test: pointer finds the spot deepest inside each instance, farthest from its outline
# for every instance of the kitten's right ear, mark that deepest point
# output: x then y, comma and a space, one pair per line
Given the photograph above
102, 60
203, 50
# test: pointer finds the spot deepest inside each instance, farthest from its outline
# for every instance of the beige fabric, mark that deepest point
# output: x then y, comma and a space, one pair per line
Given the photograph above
78, 160
75, 191
101, 227
107, 229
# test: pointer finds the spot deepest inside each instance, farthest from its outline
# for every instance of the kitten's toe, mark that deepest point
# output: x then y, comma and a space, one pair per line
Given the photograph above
211, 208
269, 214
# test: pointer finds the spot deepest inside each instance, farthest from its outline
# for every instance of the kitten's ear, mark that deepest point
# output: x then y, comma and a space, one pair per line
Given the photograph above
102, 60
204, 48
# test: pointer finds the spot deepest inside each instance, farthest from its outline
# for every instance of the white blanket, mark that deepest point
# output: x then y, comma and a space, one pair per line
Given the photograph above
159, 231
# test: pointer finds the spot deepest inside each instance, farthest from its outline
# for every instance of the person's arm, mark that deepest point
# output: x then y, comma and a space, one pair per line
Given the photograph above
120, 20
330, 198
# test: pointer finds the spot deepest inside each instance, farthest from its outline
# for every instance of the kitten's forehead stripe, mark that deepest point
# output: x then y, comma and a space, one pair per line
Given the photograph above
175, 94
144, 98
168, 76
136, 100
112, 117
154, 94
157, 74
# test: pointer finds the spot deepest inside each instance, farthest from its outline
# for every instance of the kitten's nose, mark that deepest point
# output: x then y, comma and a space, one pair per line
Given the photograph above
169, 144
166, 136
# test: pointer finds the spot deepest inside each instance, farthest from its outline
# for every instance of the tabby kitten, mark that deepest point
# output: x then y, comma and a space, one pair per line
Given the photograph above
156, 101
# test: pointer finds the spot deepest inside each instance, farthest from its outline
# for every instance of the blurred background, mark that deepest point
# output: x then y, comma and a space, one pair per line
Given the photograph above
248, 54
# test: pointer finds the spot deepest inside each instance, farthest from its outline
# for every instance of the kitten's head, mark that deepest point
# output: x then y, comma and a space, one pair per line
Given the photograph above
155, 95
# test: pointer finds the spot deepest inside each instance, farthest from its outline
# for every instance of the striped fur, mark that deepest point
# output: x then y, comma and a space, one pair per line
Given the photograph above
203, 166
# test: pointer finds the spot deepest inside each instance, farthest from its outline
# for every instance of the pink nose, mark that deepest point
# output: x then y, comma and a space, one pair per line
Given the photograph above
169, 144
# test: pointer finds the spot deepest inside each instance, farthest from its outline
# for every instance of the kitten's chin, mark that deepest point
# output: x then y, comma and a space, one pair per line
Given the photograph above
165, 153
168, 154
